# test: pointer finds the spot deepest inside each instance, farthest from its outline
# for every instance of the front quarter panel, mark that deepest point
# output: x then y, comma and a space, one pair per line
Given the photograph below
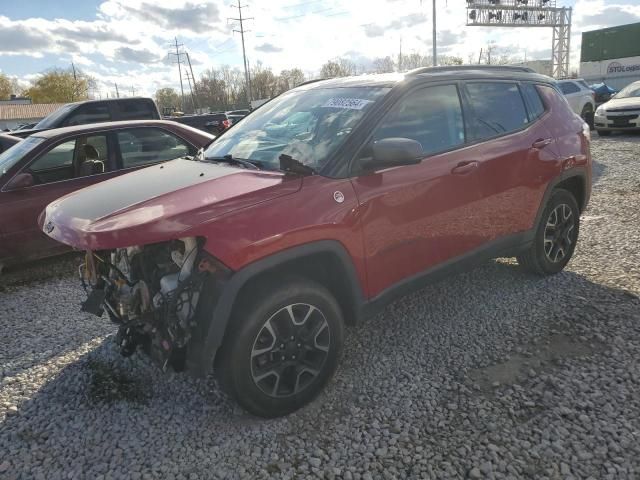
312, 214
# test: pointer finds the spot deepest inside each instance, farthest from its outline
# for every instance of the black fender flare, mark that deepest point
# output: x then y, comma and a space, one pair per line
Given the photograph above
200, 357
579, 172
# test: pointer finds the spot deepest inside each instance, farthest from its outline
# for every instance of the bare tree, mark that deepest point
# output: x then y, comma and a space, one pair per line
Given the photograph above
340, 67
383, 64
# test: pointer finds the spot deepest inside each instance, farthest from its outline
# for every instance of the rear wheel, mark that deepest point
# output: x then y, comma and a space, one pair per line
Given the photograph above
283, 347
555, 237
604, 133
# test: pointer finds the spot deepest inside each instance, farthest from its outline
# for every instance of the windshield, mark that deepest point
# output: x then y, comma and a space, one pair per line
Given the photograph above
11, 156
629, 91
52, 120
308, 125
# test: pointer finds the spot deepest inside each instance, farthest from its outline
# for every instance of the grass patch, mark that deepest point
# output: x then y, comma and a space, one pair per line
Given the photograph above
109, 384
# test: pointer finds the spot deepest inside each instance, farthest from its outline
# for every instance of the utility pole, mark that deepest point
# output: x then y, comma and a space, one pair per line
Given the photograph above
133, 91
75, 82
244, 54
195, 88
179, 61
435, 58
193, 99
400, 56
117, 92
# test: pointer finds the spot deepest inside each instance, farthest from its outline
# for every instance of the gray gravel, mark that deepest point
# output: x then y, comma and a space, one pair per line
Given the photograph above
489, 374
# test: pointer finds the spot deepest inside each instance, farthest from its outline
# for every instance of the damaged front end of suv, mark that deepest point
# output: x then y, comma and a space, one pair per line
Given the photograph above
153, 293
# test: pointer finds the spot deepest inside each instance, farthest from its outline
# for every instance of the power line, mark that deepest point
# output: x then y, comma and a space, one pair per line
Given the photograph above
244, 53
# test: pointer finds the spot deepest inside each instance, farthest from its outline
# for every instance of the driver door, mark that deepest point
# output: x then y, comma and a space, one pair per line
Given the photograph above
416, 217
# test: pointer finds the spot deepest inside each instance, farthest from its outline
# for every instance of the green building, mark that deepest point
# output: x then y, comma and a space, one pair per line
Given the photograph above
611, 55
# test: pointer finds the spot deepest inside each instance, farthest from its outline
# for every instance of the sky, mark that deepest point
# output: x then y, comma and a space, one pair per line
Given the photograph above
126, 42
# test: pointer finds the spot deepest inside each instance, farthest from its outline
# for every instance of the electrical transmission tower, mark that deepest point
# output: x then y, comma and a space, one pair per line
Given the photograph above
178, 54
528, 13
242, 31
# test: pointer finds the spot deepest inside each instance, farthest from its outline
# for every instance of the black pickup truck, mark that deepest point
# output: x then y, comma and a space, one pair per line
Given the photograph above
94, 111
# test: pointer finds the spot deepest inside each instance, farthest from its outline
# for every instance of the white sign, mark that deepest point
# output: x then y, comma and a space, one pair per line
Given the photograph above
348, 103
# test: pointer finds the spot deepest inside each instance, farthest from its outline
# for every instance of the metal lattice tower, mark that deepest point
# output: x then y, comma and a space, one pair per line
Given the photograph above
527, 13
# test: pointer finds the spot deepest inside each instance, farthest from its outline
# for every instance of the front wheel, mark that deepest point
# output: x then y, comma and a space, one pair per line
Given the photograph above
555, 237
282, 348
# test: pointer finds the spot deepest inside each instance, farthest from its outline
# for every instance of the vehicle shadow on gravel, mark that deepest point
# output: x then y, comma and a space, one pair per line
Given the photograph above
423, 359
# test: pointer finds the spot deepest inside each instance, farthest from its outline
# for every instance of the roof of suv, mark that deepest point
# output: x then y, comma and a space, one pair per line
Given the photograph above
457, 72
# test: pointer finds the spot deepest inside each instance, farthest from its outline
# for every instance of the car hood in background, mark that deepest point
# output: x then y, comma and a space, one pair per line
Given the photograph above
622, 103
158, 203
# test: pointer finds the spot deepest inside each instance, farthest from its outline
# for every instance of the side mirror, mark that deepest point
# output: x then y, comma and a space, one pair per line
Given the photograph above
21, 180
394, 152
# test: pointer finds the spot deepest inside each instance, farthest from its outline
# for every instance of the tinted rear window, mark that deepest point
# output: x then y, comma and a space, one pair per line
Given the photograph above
136, 110
569, 87
535, 106
498, 108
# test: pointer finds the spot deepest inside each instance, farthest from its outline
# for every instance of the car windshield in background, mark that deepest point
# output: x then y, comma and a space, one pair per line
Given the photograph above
629, 91
13, 155
308, 125
52, 119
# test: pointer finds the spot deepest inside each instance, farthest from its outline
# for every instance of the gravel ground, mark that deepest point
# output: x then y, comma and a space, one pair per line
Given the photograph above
489, 374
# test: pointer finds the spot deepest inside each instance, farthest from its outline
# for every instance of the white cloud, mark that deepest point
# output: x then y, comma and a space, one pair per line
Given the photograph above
128, 40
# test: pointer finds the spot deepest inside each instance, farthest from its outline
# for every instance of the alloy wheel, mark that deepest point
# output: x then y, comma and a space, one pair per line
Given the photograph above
290, 350
559, 233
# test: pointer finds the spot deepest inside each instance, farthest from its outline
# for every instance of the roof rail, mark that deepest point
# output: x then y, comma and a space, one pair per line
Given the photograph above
307, 82
508, 68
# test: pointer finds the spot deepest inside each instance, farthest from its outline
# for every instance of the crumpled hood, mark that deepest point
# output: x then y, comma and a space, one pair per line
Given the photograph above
614, 103
158, 203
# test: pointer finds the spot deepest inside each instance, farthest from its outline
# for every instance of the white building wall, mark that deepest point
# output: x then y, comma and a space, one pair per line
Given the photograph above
617, 73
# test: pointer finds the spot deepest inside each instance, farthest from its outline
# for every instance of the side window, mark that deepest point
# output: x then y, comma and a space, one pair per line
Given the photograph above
533, 101
58, 158
75, 158
497, 108
135, 110
90, 113
431, 116
139, 146
569, 87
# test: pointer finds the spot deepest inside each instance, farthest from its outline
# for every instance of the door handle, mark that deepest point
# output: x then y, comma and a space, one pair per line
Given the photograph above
541, 142
464, 167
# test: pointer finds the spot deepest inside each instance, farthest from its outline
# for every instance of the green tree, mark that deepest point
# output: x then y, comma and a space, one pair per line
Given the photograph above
167, 98
60, 86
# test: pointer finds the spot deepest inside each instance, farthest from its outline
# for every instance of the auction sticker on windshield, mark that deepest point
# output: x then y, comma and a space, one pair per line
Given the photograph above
350, 103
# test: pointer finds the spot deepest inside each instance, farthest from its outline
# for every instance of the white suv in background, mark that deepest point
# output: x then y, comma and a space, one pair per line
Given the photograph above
622, 112
581, 98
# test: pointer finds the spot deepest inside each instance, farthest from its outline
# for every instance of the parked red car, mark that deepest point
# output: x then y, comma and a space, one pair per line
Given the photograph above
252, 257
52, 163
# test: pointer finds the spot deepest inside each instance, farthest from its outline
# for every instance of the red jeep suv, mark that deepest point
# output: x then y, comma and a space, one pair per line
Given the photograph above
317, 210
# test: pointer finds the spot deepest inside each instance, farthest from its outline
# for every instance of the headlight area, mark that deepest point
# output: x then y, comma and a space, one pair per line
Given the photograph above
152, 292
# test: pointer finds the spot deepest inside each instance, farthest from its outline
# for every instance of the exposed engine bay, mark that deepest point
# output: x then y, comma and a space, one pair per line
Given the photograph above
152, 293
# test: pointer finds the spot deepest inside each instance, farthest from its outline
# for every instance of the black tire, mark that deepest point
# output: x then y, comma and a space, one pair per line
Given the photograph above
587, 115
253, 383
543, 256
603, 133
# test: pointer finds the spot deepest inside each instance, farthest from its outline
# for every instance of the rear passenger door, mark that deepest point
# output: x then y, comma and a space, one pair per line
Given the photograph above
514, 150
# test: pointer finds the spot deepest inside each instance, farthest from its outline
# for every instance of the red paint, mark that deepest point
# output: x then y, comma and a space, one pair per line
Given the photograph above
393, 223
20, 237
